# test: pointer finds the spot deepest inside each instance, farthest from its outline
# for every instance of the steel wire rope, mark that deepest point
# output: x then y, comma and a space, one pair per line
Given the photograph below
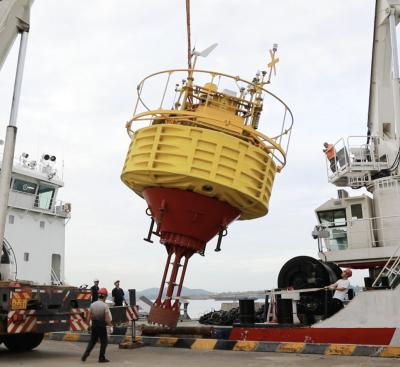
189, 46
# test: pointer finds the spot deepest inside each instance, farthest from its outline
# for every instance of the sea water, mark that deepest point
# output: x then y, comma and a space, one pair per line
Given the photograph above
199, 307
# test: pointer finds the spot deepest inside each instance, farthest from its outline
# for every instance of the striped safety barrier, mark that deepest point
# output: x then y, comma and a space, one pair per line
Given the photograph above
78, 319
132, 313
87, 296
21, 321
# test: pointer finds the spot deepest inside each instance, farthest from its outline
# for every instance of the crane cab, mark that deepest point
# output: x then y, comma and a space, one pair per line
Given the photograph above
346, 231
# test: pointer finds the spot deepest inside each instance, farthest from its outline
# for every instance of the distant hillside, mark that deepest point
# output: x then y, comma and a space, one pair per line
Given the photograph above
152, 293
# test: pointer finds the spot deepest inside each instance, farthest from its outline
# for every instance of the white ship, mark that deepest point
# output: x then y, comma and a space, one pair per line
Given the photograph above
35, 225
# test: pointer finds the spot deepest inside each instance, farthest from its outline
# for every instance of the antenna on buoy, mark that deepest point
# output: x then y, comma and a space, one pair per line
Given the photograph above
273, 62
206, 51
203, 53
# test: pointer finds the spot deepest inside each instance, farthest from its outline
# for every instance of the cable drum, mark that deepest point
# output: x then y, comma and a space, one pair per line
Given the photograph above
303, 272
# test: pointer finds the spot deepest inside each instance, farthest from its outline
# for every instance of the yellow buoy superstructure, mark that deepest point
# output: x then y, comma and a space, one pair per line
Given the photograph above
209, 146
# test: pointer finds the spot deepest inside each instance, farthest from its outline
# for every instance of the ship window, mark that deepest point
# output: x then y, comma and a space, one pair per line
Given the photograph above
10, 219
26, 256
44, 198
24, 186
42, 224
335, 221
356, 211
333, 218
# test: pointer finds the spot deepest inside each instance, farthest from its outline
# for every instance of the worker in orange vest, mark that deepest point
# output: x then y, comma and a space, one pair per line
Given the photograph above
330, 155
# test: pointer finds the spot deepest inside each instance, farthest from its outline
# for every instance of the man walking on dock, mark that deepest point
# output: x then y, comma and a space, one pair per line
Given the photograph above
100, 316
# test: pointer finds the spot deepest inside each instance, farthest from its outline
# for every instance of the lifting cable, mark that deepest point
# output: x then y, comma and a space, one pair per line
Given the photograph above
396, 162
189, 49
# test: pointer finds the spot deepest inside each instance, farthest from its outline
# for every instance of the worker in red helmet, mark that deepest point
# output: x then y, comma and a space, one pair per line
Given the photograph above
341, 288
100, 317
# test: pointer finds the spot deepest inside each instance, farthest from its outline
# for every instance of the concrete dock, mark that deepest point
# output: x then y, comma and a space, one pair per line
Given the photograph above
66, 354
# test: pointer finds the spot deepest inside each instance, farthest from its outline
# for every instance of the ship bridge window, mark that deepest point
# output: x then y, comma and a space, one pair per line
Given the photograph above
44, 198
333, 218
24, 186
335, 221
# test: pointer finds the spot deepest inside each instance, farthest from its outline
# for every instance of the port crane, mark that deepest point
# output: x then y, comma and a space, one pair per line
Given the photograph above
14, 20
360, 231
363, 231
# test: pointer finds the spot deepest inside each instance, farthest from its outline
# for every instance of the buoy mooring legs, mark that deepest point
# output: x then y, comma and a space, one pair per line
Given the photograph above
186, 221
166, 311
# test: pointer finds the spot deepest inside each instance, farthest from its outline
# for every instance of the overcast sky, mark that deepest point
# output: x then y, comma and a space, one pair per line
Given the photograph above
83, 63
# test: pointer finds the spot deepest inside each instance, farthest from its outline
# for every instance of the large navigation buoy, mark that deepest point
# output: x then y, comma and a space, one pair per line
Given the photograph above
201, 163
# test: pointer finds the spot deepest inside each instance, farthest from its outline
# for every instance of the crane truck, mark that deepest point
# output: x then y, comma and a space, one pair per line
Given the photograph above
30, 308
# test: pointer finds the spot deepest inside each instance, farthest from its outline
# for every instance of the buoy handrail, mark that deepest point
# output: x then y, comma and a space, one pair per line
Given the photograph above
247, 106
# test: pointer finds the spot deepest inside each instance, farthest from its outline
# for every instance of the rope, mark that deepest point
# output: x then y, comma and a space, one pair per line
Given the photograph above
189, 49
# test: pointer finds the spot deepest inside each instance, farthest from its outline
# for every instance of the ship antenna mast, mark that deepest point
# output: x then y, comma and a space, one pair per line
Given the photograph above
191, 53
189, 48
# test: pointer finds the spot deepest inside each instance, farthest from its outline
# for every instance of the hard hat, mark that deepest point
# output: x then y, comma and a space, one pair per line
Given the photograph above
348, 272
103, 292
96, 280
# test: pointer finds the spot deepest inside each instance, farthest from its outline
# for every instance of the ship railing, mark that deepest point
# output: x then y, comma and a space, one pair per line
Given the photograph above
171, 95
58, 207
360, 233
288, 294
55, 280
391, 271
12, 259
358, 154
49, 169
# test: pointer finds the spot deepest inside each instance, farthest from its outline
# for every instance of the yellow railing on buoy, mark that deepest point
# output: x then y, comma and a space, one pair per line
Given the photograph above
208, 140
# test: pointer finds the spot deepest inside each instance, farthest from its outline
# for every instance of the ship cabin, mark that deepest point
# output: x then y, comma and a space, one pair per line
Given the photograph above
351, 234
34, 244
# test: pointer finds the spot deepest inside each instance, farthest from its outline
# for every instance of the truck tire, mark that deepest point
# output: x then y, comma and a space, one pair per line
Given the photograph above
22, 342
